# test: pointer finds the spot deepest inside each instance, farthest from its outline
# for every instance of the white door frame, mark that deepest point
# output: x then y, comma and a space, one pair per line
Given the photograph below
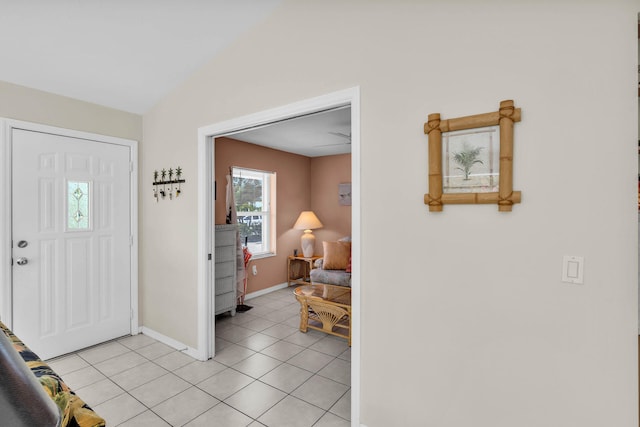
206, 172
6, 128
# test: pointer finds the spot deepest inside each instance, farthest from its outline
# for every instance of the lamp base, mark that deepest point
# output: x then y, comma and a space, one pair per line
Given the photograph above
308, 242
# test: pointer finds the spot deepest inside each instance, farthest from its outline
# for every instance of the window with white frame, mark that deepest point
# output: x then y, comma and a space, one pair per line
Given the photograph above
255, 196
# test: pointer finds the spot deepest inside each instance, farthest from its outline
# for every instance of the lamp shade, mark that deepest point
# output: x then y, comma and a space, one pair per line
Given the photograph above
307, 221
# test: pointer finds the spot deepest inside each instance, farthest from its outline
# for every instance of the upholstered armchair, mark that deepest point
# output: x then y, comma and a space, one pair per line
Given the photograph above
334, 268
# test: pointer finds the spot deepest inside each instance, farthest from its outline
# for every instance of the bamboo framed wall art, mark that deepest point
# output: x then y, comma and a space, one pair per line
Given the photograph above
471, 159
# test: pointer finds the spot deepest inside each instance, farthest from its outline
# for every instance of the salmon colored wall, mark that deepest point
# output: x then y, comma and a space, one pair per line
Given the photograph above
326, 173
302, 183
292, 197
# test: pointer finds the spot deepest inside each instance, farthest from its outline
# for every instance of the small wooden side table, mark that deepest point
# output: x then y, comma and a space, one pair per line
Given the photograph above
299, 269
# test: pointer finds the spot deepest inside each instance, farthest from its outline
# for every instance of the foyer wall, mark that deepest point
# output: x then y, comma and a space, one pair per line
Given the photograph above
489, 335
31, 105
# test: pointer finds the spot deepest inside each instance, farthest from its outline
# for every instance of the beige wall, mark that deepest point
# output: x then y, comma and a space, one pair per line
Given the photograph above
326, 173
292, 197
31, 105
465, 321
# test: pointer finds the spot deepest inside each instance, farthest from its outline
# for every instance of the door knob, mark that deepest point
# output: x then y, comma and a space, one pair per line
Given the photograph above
22, 261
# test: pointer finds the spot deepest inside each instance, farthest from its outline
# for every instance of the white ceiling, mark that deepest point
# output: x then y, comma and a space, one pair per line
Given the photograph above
124, 54
129, 54
320, 134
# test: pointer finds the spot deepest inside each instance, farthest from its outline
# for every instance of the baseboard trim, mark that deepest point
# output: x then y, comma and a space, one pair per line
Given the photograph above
266, 291
189, 351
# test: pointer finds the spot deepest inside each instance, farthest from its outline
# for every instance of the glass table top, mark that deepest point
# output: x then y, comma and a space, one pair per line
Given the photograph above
330, 293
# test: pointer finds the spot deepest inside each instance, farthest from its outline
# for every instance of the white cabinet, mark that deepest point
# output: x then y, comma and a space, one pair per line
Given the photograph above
225, 256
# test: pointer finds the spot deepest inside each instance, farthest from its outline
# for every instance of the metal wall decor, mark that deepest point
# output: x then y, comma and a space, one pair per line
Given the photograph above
477, 159
167, 183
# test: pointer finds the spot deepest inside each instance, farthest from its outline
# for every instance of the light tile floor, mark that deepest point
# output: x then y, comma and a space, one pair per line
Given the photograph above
265, 373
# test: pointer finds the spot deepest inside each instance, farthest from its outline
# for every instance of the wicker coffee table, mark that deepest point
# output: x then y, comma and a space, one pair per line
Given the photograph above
325, 308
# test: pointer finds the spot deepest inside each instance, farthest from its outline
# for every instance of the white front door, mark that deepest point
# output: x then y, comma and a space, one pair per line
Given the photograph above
70, 241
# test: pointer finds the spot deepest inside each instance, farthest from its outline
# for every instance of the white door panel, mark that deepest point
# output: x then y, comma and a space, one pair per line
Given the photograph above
71, 204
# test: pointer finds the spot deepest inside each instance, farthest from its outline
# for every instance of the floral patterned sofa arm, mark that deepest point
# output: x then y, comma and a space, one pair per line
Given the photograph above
32, 394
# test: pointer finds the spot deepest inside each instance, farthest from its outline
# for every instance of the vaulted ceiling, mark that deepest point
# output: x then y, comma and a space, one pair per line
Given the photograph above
124, 54
128, 55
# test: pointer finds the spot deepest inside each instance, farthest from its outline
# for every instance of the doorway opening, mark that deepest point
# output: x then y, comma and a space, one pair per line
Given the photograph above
207, 188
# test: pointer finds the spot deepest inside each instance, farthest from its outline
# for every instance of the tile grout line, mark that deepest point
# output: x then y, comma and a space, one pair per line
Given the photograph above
231, 324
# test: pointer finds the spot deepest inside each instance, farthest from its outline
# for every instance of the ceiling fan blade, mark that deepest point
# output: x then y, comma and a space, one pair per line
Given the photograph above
333, 145
342, 135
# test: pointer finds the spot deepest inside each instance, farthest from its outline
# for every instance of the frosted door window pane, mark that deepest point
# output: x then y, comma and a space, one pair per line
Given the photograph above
77, 205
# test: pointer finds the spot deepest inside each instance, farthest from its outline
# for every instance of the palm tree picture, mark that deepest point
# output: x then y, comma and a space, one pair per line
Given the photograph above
467, 158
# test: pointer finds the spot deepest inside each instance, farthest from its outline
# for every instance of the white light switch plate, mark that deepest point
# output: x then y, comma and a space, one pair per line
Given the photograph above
573, 269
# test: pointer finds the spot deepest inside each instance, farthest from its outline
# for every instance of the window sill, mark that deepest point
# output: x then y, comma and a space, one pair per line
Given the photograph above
264, 255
